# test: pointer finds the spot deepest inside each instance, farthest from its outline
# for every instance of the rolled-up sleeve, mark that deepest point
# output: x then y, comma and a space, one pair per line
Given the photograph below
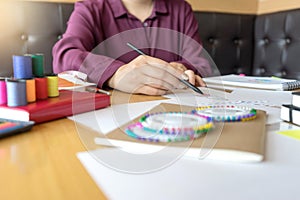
74, 50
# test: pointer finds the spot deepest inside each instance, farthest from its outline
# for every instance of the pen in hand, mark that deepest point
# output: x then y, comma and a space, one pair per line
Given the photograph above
184, 81
95, 89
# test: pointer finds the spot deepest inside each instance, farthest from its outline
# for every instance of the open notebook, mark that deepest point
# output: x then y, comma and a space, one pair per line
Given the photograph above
266, 83
230, 141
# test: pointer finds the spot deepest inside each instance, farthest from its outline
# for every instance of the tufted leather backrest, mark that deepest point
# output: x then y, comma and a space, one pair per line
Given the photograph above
277, 44
34, 27
30, 27
228, 38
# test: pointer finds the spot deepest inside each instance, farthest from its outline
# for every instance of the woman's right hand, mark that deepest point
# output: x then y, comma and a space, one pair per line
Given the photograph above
146, 75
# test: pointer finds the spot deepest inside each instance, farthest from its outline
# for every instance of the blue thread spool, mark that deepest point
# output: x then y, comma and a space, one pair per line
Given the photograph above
16, 92
22, 66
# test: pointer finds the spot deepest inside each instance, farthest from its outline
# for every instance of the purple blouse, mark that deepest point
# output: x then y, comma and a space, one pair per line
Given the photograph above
98, 30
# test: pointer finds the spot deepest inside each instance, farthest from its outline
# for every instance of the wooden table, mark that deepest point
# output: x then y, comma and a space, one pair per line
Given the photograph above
42, 163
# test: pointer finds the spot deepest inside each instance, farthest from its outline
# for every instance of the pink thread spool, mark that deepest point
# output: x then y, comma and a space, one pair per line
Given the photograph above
3, 92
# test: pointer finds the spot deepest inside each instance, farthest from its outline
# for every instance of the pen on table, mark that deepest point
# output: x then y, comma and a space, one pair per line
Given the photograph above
184, 81
95, 89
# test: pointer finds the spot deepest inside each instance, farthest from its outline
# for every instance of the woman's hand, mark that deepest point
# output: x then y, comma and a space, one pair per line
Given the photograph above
193, 78
146, 75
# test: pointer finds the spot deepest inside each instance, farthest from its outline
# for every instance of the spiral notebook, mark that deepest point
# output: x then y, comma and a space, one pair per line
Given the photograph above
266, 83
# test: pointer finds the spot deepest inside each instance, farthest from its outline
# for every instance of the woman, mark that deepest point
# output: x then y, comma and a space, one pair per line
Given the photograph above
165, 30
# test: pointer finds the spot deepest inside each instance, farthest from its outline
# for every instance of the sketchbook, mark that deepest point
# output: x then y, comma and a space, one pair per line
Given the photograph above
266, 83
230, 141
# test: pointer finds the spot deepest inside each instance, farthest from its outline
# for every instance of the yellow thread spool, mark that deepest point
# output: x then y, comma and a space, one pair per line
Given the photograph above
30, 90
52, 86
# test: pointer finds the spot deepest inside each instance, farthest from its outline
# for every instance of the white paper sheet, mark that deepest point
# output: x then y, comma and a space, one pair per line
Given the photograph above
269, 101
276, 178
108, 119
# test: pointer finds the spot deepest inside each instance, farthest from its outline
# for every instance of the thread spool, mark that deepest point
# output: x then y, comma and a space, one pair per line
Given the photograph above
41, 88
30, 90
16, 92
3, 92
22, 67
52, 81
38, 64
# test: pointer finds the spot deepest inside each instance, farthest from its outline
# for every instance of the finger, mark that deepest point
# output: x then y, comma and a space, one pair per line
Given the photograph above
160, 84
159, 69
148, 90
199, 81
160, 77
191, 76
151, 66
162, 65
178, 66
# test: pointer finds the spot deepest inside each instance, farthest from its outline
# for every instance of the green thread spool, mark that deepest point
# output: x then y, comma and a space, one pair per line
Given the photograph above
38, 64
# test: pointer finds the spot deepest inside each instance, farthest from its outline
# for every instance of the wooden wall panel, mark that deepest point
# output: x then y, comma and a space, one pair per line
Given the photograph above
232, 6
270, 6
227, 6
245, 6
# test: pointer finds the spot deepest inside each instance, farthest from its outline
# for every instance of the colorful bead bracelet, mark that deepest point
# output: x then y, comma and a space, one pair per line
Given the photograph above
174, 121
137, 131
227, 113
169, 127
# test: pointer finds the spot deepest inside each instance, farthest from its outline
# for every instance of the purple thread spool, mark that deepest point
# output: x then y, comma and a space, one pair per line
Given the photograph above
22, 66
3, 92
16, 92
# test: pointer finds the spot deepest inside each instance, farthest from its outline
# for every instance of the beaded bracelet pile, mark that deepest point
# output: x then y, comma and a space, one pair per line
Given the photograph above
227, 113
169, 127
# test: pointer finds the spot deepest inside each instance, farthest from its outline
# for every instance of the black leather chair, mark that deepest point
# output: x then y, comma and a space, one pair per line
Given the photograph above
277, 44
228, 38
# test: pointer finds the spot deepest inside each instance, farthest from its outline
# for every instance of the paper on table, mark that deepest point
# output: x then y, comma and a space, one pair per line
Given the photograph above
229, 155
269, 101
276, 178
108, 119
202, 178
186, 97
69, 80
224, 142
